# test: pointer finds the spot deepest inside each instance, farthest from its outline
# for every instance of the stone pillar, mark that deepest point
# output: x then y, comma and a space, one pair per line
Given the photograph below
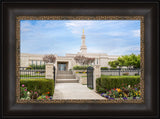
49, 71
96, 74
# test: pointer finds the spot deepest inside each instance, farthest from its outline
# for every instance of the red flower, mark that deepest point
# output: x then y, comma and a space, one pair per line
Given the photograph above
114, 89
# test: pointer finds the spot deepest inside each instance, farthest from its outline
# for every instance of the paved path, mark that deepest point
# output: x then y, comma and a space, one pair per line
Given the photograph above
74, 91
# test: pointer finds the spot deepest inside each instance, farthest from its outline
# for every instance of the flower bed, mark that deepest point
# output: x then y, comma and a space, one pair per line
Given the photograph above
124, 93
111, 82
36, 88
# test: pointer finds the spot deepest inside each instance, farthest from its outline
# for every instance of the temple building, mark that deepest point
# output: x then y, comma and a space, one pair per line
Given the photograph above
67, 62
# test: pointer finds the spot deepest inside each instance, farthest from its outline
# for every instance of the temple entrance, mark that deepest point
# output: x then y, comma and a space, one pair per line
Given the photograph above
62, 66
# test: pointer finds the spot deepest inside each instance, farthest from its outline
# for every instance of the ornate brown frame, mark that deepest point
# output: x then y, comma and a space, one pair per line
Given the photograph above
148, 9
18, 18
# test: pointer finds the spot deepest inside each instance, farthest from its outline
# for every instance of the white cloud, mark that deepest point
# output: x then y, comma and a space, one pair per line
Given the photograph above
25, 26
124, 50
136, 33
116, 33
100, 36
76, 27
95, 50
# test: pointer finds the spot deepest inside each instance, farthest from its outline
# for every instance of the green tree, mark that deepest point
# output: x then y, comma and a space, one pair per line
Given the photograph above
113, 64
126, 60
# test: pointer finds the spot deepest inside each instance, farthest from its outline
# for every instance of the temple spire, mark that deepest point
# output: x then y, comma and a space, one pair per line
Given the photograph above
83, 46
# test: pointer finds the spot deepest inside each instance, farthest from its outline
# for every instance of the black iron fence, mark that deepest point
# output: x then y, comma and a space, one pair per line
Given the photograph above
90, 77
54, 75
26, 72
120, 72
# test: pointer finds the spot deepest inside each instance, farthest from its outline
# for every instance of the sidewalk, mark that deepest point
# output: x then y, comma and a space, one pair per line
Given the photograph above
74, 91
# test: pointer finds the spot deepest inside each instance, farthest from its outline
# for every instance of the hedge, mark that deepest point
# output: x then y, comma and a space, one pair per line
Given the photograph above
32, 75
44, 85
80, 67
110, 82
33, 66
104, 68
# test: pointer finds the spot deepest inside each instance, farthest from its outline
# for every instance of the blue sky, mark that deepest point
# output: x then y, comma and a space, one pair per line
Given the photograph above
114, 37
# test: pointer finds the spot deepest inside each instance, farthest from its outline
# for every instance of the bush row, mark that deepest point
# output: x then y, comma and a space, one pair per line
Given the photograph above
110, 82
33, 66
104, 68
43, 85
80, 67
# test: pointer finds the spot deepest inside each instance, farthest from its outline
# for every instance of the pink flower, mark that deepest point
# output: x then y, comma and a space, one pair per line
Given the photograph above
25, 89
22, 85
35, 92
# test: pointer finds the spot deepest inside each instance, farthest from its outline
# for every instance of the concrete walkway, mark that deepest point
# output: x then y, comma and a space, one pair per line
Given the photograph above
74, 91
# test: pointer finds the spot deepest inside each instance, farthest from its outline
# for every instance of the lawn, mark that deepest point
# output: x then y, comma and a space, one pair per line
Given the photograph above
32, 75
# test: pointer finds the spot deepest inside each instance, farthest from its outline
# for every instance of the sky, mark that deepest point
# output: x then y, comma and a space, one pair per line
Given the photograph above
113, 37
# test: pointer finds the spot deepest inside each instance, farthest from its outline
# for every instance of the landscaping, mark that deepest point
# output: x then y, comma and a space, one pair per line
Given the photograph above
40, 89
33, 66
32, 75
80, 67
104, 68
119, 87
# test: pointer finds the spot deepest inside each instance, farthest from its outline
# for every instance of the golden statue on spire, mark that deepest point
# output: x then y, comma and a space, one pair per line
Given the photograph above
83, 31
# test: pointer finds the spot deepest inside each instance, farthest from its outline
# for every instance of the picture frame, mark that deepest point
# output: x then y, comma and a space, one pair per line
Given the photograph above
151, 69
77, 18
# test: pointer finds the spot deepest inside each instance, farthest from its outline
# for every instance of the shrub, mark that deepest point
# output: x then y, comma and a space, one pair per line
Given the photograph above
29, 67
122, 93
23, 91
114, 68
33, 66
104, 68
43, 85
136, 74
44, 97
99, 87
80, 67
125, 74
110, 82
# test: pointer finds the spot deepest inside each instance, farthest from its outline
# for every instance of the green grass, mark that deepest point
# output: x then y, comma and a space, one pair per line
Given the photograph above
32, 76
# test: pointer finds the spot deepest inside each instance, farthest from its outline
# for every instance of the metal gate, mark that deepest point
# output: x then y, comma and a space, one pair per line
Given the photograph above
90, 77
54, 75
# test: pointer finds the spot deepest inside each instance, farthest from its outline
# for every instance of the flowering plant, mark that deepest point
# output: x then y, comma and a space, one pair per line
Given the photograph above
34, 94
124, 92
23, 91
44, 97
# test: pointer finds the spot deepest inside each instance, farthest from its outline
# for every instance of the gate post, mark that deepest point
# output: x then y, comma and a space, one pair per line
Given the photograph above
96, 74
49, 71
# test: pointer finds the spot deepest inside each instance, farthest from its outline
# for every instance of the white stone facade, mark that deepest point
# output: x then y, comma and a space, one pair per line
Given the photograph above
101, 59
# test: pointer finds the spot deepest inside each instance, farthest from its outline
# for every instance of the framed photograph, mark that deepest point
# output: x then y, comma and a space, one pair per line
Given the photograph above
80, 59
